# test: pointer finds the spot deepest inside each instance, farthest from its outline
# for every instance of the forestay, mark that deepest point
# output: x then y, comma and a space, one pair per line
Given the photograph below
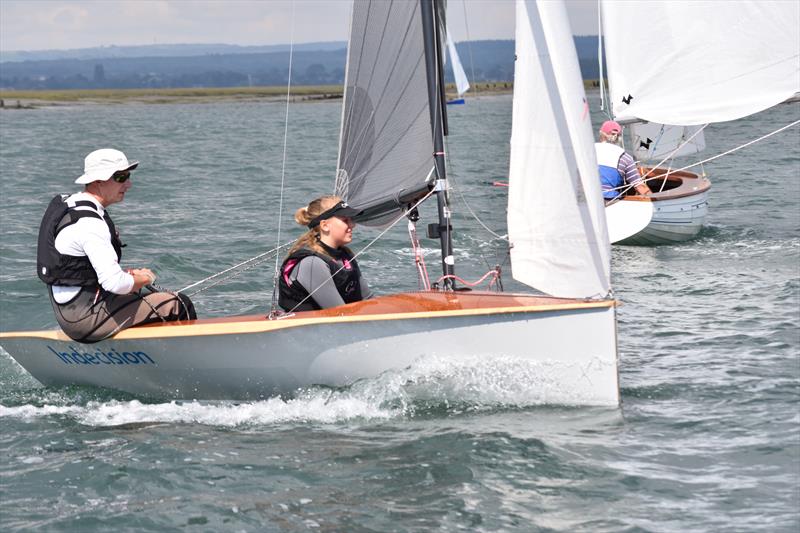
701, 61
556, 219
385, 149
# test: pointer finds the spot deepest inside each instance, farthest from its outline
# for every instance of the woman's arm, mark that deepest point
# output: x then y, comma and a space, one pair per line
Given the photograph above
366, 294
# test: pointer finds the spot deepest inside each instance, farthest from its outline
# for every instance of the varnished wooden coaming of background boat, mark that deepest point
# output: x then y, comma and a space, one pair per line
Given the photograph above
682, 184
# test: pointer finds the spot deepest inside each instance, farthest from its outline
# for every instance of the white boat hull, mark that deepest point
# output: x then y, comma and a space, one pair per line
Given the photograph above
678, 213
253, 358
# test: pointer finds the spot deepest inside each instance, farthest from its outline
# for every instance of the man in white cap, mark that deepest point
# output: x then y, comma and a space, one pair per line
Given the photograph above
78, 258
617, 167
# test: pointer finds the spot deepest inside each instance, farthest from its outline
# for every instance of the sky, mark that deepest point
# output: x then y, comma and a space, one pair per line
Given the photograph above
69, 24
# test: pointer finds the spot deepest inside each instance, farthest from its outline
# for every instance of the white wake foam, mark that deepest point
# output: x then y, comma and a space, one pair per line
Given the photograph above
453, 383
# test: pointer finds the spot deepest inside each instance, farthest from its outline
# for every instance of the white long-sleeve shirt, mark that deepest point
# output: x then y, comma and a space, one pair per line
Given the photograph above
90, 237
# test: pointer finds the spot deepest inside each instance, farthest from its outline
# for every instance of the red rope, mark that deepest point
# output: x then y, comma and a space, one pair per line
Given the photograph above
492, 273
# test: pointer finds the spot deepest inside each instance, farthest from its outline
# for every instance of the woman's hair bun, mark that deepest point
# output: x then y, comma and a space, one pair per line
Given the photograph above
302, 217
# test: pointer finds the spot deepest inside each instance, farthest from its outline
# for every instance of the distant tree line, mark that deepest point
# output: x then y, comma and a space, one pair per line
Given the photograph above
482, 61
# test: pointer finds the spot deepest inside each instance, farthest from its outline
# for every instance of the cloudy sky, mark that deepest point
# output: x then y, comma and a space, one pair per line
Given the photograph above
66, 24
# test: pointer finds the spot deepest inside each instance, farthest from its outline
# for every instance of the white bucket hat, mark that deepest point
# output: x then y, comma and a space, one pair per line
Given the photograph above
101, 165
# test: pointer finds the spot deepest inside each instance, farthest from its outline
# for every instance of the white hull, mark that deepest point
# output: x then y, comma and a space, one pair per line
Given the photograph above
252, 358
678, 214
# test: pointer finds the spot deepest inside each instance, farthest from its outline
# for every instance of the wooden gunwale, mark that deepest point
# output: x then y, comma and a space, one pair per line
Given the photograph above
403, 306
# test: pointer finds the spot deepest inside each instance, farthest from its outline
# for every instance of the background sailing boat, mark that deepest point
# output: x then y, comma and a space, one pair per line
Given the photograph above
702, 62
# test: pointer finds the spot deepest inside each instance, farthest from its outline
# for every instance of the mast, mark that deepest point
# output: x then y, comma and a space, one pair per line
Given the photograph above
433, 65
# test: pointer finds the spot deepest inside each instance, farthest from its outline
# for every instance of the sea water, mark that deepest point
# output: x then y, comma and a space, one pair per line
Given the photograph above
707, 438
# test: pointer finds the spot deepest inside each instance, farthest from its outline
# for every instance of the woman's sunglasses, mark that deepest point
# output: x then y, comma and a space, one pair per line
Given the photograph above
122, 176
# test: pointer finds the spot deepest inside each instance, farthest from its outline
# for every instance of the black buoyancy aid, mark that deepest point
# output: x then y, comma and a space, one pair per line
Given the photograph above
55, 268
344, 271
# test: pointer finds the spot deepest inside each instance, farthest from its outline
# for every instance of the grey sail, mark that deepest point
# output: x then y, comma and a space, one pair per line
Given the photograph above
385, 149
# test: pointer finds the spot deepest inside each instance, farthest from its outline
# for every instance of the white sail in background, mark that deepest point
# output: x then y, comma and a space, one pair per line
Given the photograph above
651, 141
462, 84
701, 61
556, 218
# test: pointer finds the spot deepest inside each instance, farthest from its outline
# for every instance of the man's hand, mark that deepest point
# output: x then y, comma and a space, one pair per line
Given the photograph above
642, 189
141, 277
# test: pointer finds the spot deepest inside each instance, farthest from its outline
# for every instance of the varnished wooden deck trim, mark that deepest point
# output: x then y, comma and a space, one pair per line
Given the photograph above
402, 306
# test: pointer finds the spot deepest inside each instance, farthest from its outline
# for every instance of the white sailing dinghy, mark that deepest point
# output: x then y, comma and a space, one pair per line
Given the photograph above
700, 62
391, 156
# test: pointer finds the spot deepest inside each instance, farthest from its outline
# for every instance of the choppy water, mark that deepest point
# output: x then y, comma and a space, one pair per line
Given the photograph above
708, 438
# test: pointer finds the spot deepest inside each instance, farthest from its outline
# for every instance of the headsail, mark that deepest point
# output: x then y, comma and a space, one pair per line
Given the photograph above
703, 61
556, 219
385, 149
651, 141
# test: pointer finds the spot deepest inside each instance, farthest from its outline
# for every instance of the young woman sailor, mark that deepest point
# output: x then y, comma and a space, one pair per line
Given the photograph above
78, 258
320, 270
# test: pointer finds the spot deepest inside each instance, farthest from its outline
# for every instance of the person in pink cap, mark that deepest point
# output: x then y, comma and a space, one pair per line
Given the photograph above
617, 168
78, 258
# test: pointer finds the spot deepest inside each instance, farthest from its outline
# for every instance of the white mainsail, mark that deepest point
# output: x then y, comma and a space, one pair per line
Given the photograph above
556, 218
462, 84
702, 61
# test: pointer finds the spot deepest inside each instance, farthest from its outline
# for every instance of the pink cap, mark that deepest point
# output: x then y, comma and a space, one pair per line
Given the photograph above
609, 126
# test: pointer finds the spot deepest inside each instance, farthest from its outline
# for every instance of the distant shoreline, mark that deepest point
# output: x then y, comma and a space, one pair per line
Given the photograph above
34, 99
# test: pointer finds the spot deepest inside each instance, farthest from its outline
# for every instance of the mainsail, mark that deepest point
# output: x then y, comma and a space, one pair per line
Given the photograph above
462, 84
385, 150
556, 219
703, 61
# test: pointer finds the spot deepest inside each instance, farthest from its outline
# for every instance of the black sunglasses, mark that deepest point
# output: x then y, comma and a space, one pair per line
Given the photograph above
121, 176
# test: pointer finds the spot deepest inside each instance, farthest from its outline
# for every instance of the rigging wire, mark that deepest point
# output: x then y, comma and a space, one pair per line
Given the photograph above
463, 199
469, 48
234, 267
454, 182
250, 263
795, 123
625, 187
700, 163
283, 165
